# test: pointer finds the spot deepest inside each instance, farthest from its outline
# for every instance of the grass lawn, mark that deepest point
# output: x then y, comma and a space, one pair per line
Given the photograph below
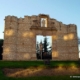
25, 64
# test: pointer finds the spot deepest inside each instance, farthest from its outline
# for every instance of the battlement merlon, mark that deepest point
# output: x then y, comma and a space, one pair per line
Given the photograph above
11, 18
72, 28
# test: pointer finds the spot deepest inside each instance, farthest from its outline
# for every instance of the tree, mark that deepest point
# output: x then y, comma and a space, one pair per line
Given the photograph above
37, 51
37, 47
1, 49
45, 44
45, 48
78, 41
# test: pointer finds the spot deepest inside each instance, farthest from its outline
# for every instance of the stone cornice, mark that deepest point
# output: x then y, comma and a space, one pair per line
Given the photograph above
43, 28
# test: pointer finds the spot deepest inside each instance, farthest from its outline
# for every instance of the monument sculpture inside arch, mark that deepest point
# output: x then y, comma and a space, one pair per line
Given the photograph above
20, 37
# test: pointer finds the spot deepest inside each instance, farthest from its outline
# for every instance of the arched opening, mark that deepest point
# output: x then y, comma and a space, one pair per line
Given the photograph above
43, 22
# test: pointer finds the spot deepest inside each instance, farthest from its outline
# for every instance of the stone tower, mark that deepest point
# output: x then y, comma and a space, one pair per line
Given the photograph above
20, 38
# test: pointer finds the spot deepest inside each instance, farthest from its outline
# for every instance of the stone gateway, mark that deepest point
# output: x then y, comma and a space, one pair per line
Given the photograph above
20, 38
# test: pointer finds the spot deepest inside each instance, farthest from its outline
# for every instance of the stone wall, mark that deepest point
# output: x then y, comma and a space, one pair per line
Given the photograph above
20, 38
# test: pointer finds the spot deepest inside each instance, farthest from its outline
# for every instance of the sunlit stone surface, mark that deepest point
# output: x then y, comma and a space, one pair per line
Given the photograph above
20, 37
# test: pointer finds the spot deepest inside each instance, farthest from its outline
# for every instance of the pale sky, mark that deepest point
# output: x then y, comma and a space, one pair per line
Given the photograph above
40, 38
66, 11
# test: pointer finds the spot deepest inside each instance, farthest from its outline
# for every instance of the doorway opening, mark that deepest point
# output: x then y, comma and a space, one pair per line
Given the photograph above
43, 47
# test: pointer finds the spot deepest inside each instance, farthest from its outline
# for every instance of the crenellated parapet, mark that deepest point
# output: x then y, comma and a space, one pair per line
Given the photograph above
72, 28
11, 19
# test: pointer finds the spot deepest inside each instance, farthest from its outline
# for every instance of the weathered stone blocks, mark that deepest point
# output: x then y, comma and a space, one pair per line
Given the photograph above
20, 38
